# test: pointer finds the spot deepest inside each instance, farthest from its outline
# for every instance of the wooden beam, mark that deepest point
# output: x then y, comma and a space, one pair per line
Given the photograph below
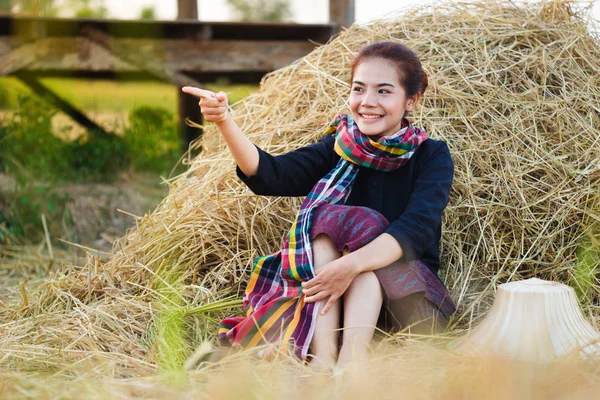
341, 13
78, 116
188, 105
234, 77
129, 55
35, 28
137, 59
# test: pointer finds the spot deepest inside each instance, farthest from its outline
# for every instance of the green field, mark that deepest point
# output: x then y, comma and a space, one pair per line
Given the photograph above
112, 96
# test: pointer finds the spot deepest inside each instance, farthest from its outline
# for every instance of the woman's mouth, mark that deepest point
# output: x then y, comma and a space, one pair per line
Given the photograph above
371, 117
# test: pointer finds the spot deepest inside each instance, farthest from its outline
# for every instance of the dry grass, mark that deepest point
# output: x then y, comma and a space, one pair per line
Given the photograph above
418, 371
514, 91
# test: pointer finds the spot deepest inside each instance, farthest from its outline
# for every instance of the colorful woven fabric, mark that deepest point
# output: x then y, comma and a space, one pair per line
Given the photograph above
274, 303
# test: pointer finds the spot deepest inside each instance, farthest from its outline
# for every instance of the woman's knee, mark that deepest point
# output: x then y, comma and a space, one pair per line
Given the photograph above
324, 250
368, 280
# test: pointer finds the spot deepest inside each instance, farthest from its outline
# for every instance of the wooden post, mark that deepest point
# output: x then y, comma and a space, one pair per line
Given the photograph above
188, 105
341, 13
187, 9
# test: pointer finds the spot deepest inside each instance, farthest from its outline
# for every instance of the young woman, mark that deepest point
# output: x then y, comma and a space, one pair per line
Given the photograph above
367, 233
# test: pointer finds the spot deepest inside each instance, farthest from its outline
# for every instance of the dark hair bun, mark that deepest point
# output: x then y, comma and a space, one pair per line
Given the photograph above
424, 83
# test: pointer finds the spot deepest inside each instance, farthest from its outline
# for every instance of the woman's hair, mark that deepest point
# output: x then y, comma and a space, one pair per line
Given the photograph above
412, 77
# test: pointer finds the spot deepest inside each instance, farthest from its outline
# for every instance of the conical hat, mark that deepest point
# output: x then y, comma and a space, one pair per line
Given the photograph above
532, 320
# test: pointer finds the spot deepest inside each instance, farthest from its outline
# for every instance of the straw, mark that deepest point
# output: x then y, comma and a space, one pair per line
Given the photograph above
514, 91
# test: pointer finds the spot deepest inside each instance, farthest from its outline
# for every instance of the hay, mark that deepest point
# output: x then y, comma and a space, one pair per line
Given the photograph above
417, 372
514, 91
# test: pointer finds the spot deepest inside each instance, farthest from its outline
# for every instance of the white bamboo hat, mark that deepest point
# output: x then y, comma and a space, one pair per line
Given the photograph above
532, 320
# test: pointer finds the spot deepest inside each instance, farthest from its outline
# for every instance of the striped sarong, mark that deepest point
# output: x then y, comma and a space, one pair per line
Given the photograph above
273, 300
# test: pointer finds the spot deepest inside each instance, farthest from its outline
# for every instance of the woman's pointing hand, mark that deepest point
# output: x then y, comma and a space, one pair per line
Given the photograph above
213, 106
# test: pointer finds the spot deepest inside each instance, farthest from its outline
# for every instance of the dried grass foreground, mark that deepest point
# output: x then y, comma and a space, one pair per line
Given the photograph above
514, 91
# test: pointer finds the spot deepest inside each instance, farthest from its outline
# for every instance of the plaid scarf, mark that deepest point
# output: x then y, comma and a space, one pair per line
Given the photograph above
274, 303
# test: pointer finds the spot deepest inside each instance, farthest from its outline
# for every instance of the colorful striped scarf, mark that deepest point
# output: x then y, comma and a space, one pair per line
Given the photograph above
273, 301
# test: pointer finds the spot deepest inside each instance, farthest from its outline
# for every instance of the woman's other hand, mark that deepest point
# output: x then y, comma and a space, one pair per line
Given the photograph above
331, 280
213, 106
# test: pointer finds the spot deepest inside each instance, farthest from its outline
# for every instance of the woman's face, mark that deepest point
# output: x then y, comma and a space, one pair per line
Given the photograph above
377, 100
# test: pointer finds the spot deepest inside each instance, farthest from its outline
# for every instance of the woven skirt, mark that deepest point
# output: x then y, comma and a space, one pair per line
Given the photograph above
414, 297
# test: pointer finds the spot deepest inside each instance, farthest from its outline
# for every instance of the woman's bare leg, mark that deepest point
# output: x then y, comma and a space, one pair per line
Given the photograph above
324, 344
362, 305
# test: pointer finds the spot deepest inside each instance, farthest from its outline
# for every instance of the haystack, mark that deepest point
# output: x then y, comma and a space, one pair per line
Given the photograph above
514, 91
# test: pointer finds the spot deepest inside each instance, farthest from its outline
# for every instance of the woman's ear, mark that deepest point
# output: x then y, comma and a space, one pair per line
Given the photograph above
412, 102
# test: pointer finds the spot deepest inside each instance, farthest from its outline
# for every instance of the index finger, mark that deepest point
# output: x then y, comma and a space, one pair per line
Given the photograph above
330, 302
194, 91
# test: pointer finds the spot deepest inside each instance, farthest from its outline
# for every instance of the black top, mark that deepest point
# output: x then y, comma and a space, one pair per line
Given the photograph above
412, 198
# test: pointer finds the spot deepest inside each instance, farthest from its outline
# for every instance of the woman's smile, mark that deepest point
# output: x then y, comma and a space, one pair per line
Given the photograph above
371, 116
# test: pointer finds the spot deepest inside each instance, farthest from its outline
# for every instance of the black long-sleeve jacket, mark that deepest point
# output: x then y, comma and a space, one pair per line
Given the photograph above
412, 198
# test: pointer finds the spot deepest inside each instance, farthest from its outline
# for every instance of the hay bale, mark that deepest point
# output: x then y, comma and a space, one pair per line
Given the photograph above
514, 91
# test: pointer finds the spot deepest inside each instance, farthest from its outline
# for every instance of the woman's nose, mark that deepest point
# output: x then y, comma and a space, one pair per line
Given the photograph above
369, 99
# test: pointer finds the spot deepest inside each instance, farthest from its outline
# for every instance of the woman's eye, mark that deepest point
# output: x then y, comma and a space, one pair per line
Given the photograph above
383, 91
357, 89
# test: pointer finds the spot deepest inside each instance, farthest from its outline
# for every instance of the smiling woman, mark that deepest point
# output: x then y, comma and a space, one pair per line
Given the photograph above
368, 231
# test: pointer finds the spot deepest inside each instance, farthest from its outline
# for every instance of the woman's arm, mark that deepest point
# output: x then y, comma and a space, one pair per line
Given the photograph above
380, 252
294, 173
243, 150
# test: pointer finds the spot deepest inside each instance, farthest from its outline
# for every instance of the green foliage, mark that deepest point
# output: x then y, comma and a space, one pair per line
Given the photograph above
31, 151
89, 9
4, 96
28, 145
261, 10
11, 89
152, 139
38, 8
21, 211
172, 331
148, 13
5, 5
98, 156
586, 278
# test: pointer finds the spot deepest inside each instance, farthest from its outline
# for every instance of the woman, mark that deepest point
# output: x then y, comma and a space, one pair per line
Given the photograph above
368, 233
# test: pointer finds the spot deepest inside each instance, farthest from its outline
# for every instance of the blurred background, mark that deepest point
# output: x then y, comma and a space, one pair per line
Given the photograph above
92, 121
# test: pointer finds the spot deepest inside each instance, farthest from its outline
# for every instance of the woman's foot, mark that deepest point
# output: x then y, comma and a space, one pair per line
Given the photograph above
322, 364
352, 354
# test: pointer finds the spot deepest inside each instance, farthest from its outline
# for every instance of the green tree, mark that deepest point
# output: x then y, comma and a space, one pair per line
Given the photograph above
261, 10
37, 8
89, 8
148, 13
5, 5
